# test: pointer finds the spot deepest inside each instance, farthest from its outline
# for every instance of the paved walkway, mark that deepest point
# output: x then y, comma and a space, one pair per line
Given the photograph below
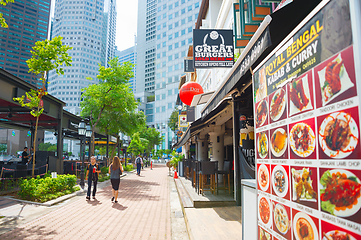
143, 212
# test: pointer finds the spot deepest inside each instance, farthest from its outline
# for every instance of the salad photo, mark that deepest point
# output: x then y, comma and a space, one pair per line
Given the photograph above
340, 193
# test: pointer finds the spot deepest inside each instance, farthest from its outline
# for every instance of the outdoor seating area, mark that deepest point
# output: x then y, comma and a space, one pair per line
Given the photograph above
205, 176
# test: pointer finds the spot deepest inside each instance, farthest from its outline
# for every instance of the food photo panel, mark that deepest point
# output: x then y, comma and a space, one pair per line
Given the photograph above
302, 139
277, 105
280, 181
265, 211
304, 186
263, 145
304, 226
340, 193
263, 177
331, 232
338, 135
262, 113
263, 234
335, 78
282, 219
279, 142
300, 92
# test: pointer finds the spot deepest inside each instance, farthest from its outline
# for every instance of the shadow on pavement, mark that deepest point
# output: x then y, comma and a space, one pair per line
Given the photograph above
119, 206
21, 233
229, 213
93, 202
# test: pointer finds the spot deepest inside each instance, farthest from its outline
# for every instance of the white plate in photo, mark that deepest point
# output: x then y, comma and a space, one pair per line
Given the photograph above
353, 136
300, 216
346, 82
293, 109
280, 104
329, 235
262, 144
264, 211
347, 212
279, 181
281, 218
263, 177
311, 143
281, 151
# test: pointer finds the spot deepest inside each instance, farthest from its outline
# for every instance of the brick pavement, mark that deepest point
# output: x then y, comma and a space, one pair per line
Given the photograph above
142, 212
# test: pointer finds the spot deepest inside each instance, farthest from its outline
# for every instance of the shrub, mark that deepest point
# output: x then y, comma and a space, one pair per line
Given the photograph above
128, 168
47, 188
103, 177
104, 170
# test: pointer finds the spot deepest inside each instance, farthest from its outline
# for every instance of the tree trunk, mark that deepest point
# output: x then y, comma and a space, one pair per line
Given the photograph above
92, 144
34, 143
115, 146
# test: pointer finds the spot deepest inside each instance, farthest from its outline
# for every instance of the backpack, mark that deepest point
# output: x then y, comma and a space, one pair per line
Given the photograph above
137, 160
94, 176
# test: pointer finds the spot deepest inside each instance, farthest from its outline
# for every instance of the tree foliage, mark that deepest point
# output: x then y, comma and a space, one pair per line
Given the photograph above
2, 19
173, 120
3, 148
47, 55
47, 147
153, 136
110, 104
137, 144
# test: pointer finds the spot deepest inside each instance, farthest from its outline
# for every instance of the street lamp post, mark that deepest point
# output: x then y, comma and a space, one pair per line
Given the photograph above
89, 135
82, 132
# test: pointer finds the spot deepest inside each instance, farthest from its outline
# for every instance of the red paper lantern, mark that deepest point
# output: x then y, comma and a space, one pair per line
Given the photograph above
188, 90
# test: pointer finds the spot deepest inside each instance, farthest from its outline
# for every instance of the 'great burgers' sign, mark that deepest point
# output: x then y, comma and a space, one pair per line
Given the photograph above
213, 48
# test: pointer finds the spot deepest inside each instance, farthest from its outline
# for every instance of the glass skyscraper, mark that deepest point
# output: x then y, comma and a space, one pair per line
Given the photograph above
88, 26
28, 23
129, 55
165, 30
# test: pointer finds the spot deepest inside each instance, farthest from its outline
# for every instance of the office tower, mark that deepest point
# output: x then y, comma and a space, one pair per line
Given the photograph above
129, 55
28, 23
165, 30
88, 27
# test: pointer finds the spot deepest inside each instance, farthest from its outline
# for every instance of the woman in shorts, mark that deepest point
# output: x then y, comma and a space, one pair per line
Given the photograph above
115, 170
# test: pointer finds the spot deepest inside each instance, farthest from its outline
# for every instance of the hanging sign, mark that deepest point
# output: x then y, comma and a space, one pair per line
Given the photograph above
188, 90
188, 65
213, 48
182, 121
307, 131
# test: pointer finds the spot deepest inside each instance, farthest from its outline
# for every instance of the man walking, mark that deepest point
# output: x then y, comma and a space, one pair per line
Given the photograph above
25, 156
139, 163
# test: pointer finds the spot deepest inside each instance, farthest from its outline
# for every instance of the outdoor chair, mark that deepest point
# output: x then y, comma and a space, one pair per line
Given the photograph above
194, 165
207, 169
226, 172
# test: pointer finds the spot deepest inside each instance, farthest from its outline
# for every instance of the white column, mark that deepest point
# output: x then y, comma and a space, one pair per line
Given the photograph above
202, 148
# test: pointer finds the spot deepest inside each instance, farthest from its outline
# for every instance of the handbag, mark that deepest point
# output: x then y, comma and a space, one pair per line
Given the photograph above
120, 171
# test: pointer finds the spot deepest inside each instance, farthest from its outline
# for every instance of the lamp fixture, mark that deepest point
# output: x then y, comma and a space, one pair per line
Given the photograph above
88, 131
81, 128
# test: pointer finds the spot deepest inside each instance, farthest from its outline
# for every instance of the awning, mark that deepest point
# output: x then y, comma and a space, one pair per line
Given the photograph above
201, 98
282, 23
196, 126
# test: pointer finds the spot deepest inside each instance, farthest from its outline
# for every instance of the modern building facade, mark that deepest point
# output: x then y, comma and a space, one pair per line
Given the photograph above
129, 55
165, 29
89, 28
28, 23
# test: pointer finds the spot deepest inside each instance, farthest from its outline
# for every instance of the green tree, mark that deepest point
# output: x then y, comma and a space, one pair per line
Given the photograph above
47, 147
173, 120
167, 151
106, 104
153, 136
47, 55
137, 144
3, 147
2, 19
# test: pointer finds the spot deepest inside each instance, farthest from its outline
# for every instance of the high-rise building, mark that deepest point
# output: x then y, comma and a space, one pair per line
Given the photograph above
88, 27
28, 23
165, 30
129, 55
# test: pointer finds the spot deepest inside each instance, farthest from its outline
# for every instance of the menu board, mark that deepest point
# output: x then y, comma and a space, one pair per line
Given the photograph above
307, 130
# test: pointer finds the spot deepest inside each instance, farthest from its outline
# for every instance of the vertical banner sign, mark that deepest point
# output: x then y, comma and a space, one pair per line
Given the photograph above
188, 65
307, 131
183, 120
213, 48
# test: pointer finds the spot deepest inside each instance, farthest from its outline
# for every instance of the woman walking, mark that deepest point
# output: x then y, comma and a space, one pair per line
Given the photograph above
115, 170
